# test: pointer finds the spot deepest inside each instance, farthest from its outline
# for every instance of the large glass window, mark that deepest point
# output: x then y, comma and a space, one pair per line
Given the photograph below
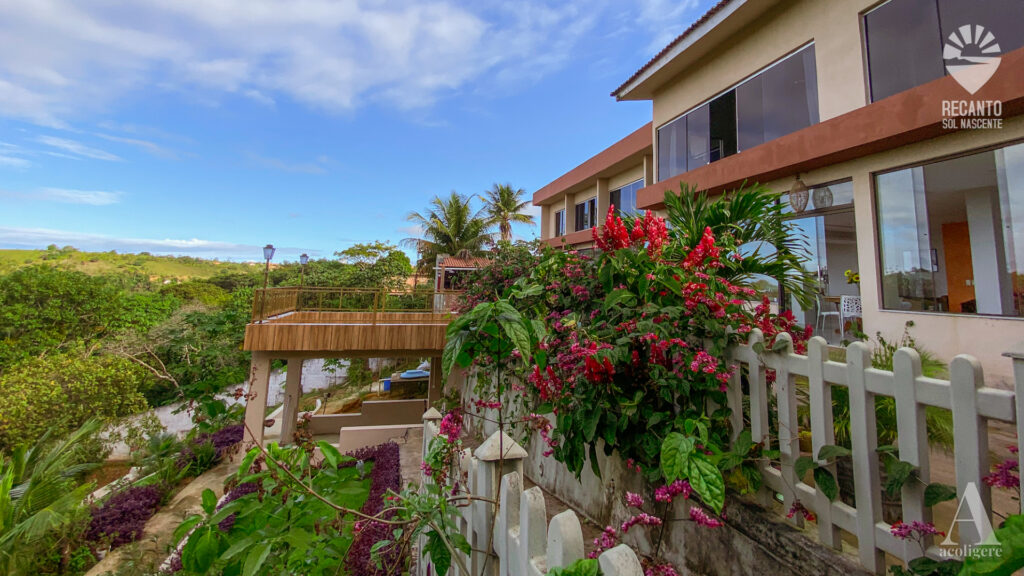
905, 38
951, 235
779, 100
586, 214
559, 223
624, 199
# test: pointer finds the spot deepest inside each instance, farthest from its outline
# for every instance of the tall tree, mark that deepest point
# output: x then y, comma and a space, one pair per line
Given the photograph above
449, 226
504, 205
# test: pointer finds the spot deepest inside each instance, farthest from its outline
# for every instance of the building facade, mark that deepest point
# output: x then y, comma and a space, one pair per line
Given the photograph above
898, 127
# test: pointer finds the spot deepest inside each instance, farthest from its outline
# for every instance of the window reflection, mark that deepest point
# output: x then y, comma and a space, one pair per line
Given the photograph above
951, 234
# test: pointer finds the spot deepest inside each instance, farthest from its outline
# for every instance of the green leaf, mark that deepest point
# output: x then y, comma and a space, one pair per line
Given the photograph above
802, 465
439, 555
460, 543
185, 526
209, 501
331, 454
255, 559
743, 443
898, 472
707, 481
830, 452
202, 550
675, 452
581, 567
826, 482
545, 408
617, 296
590, 422
519, 335
936, 492
1005, 559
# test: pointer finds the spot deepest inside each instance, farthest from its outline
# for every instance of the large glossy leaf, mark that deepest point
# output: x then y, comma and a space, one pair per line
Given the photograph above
707, 481
675, 453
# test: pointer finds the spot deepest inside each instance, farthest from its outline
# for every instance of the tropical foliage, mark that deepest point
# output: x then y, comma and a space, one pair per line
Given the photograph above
769, 246
504, 205
41, 494
449, 226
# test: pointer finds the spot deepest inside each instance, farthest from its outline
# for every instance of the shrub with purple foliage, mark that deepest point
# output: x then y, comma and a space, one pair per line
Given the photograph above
239, 491
122, 517
385, 476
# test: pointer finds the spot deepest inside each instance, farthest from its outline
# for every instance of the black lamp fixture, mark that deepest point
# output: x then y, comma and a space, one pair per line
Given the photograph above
268, 254
303, 260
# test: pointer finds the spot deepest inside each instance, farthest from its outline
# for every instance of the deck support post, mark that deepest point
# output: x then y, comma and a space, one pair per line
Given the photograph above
256, 399
292, 397
436, 381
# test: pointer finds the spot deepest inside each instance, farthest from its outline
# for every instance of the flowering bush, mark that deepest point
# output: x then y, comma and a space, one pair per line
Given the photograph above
625, 352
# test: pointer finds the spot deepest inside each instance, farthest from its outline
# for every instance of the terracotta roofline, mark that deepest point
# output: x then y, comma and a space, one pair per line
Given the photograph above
638, 142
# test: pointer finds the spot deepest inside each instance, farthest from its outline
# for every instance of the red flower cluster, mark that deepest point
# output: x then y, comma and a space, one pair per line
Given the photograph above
598, 371
615, 235
705, 254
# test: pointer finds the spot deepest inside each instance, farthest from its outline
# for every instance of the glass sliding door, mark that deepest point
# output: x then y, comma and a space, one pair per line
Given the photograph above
829, 227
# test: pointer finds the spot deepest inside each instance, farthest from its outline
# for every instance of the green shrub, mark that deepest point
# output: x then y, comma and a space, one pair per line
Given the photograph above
197, 291
62, 391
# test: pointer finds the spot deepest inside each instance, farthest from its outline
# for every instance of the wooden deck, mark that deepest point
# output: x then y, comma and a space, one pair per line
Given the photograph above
351, 333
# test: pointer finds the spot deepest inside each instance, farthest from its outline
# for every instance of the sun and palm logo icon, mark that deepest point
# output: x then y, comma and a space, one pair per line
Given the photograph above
972, 56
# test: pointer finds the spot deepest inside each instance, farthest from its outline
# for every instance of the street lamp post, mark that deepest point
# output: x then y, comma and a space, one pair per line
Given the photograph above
268, 254
303, 260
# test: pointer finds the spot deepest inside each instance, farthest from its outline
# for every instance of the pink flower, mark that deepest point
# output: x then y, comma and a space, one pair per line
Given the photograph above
606, 540
635, 500
1003, 476
660, 570
451, 425
915, 530
643, 518
668, 493
702, 518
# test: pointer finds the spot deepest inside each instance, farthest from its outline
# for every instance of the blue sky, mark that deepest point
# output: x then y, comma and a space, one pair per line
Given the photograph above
212, 127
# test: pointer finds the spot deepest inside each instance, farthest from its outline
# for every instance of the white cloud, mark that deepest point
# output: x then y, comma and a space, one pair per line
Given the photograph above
151, 147
13, 161
71, 196
40, 237
77, 148
315, 167
60, 58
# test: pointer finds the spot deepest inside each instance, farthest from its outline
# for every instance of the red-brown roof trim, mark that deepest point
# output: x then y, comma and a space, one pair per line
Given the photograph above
686, 33
640, 141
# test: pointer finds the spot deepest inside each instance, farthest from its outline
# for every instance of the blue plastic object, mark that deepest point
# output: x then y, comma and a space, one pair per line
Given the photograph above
411, 374
386, 384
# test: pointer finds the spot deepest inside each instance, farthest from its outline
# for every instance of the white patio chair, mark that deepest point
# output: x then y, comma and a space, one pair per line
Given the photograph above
824, 315
849, 307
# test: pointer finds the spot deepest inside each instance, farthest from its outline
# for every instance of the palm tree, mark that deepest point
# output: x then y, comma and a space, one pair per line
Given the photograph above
504, 205
450, 226
40, 492
755, 218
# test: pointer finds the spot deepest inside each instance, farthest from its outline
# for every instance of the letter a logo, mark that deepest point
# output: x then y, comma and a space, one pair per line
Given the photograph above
973, 520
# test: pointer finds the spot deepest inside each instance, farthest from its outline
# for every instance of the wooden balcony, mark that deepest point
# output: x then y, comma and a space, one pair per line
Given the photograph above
355, 322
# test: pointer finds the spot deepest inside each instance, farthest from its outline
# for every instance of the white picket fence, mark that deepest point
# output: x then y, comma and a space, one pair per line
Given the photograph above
525, 545
517, 539
973, 405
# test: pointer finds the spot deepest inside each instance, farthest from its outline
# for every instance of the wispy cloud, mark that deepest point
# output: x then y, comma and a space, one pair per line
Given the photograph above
77, 148
25, 238
13, 161
150, 147
71, 196
317, 166
62, 57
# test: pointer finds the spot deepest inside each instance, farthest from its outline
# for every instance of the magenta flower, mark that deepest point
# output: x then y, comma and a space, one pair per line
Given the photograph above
635, 500
702, 518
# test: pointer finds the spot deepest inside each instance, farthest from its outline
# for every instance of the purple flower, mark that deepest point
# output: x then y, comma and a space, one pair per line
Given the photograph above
702, 518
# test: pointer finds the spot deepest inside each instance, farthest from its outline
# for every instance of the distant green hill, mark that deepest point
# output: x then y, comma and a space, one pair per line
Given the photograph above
155, 267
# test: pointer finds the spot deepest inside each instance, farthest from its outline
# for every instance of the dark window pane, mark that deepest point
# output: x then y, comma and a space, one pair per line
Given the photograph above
698, 136
615, 199
624, 199
750, 113
672, 149
723, 125
586, 214
790, 95
560, 223
904, 46
1004, 19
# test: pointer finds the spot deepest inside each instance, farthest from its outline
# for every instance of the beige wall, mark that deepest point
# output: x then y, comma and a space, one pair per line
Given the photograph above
946, 335
833, 25
599, 187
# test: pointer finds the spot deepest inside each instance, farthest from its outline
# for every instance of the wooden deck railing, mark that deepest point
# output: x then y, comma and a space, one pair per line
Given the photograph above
271, 302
